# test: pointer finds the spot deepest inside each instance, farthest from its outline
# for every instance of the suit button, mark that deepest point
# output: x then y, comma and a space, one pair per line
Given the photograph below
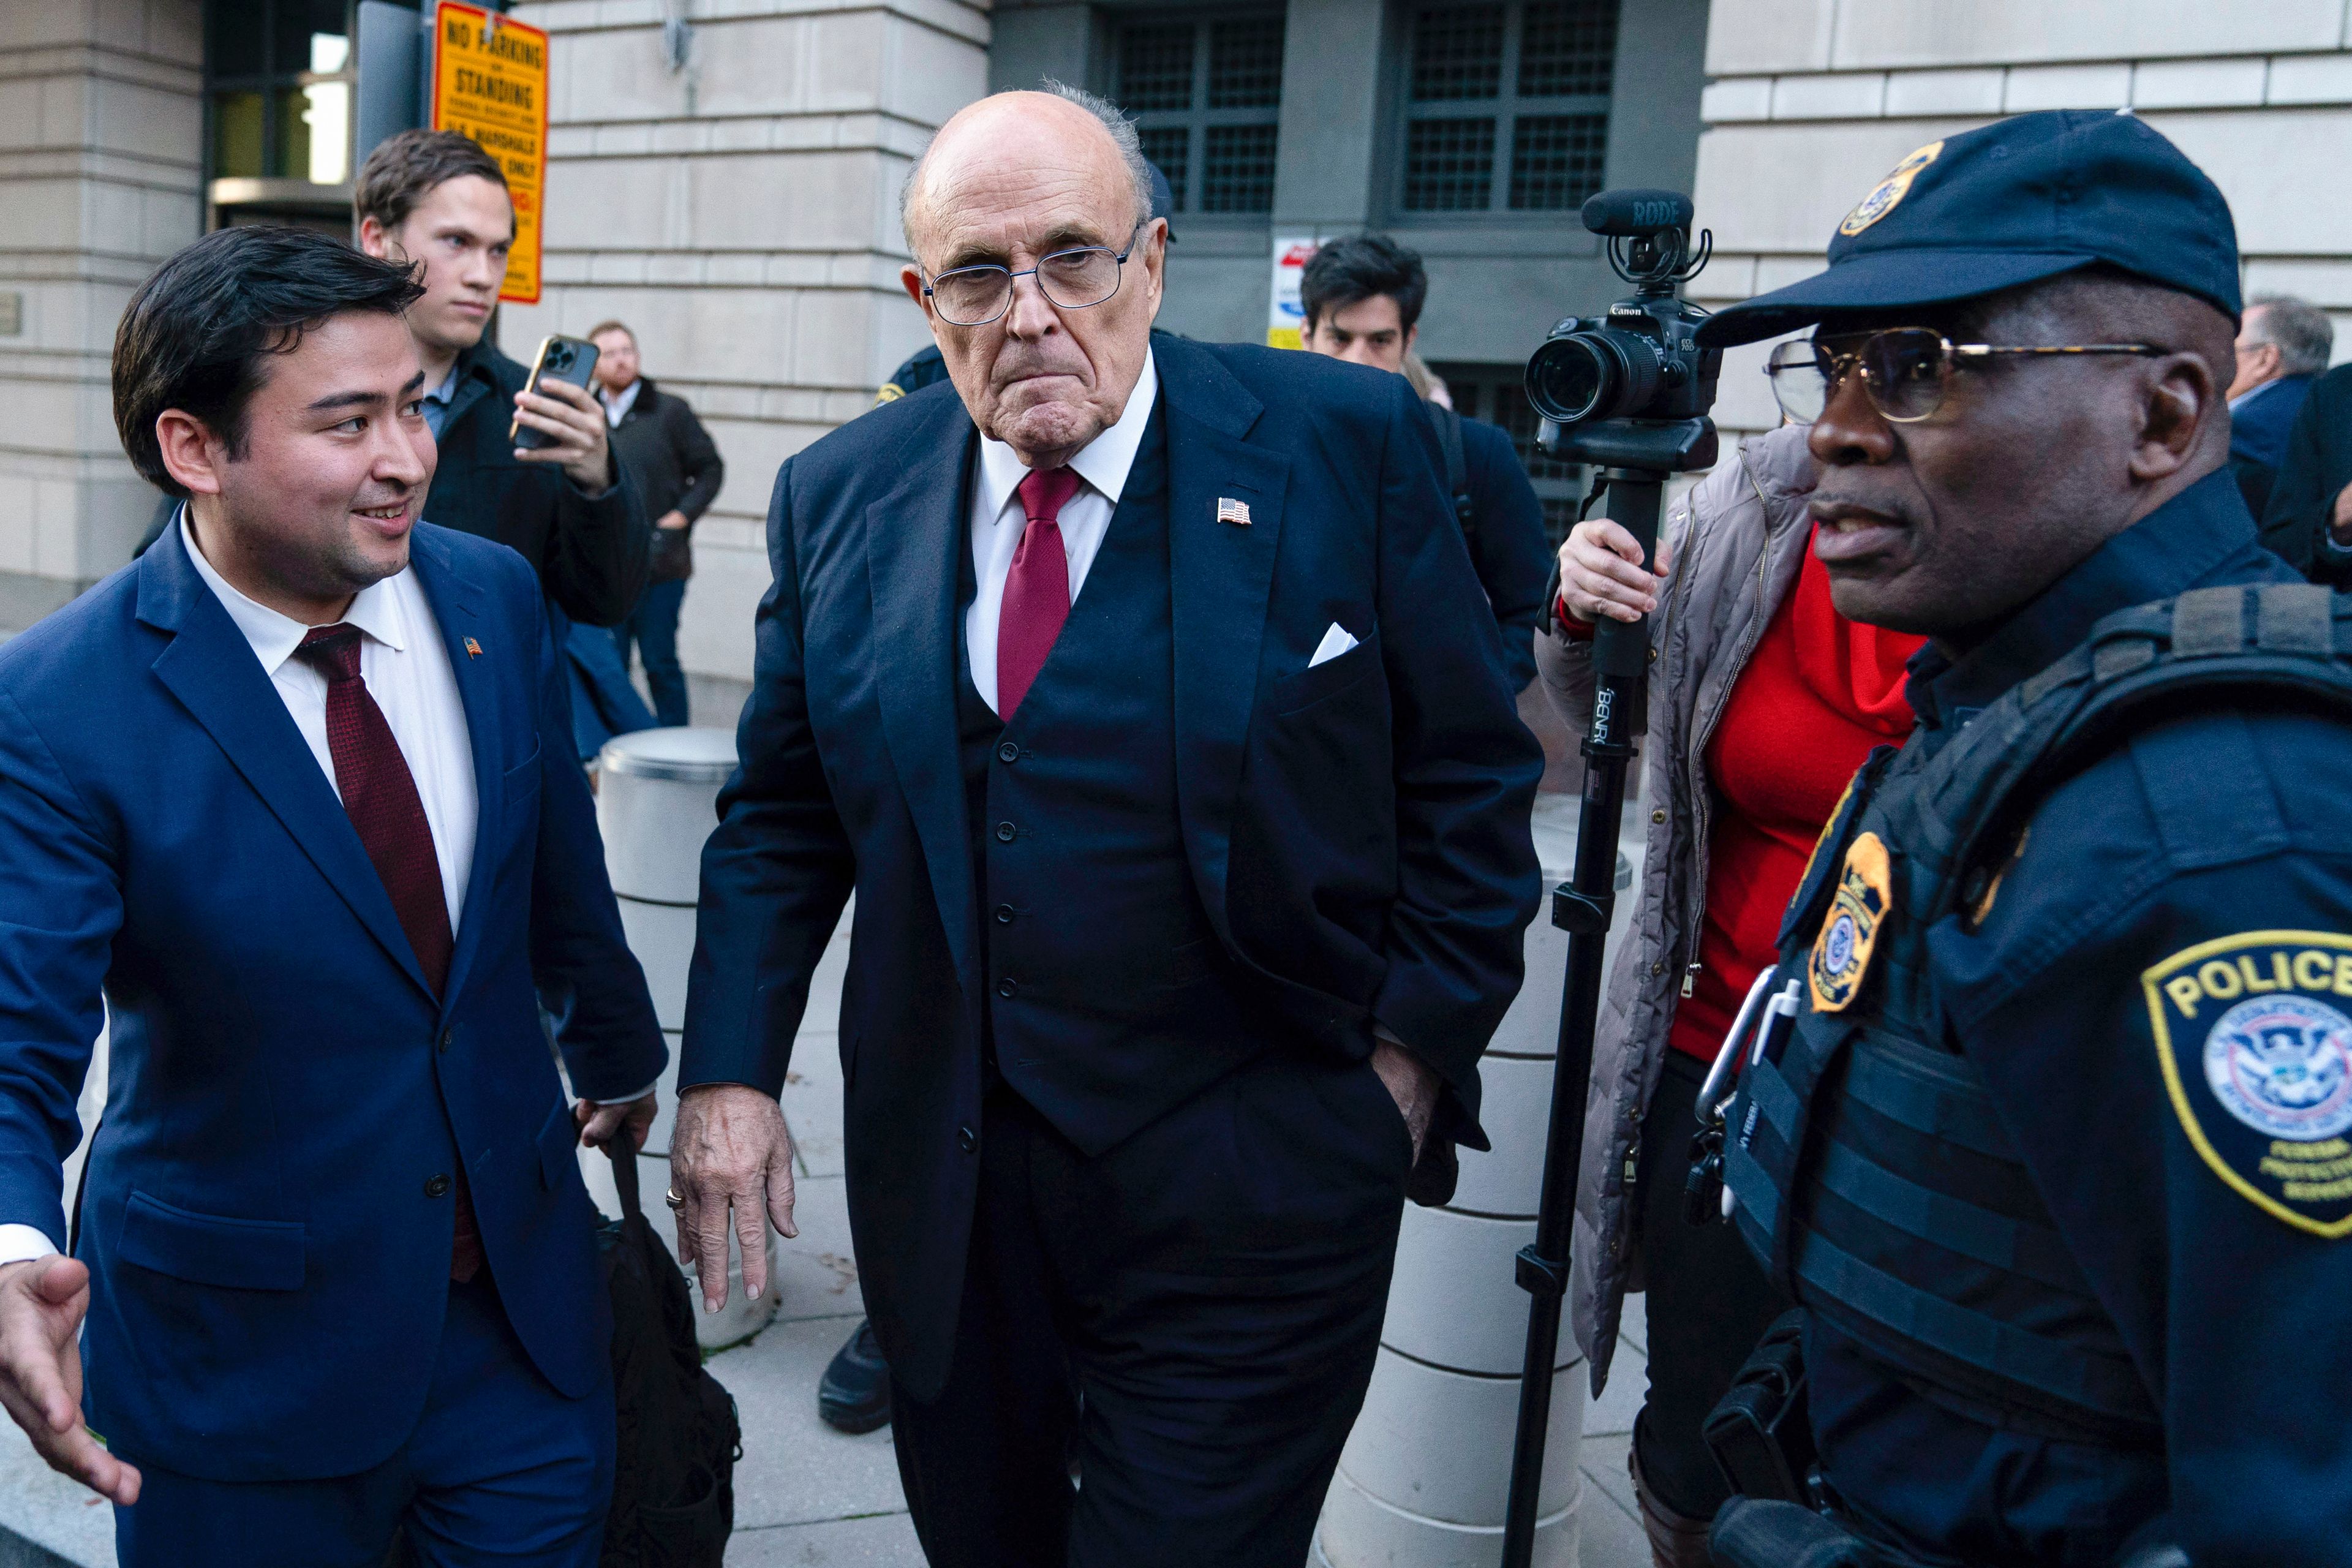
1004, 914
1006, 752
965, 1139
447, 1037
436, 1186
1007, 986
1004, 831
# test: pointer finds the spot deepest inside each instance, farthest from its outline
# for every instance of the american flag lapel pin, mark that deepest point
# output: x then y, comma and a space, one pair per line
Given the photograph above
473, 648
1231, 510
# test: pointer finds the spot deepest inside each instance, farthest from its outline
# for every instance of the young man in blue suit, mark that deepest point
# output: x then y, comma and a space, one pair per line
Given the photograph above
1144, 692
290, 803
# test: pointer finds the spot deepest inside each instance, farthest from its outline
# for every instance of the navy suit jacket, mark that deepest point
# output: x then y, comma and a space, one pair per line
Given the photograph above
270, 1271
1357, 832
1513, 556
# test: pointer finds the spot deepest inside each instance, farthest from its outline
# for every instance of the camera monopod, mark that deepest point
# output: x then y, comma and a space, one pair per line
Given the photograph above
1602, 387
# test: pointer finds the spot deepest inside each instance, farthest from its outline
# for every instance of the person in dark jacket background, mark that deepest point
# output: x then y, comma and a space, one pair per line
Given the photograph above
1362, 298
437, 199
2282, 346
677, 470
2309, 519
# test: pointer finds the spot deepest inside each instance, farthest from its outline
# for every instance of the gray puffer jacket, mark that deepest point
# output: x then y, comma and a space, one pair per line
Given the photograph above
1739, 537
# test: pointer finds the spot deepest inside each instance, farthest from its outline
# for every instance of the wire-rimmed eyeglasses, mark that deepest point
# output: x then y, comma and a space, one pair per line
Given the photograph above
1073, 280
1905, 370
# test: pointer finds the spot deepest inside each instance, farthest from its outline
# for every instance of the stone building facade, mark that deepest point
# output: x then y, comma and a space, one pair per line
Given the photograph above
1809, 102
99, 180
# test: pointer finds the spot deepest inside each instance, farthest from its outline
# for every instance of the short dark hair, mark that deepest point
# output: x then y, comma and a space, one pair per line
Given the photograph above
1344, 271
196, 333
406, 168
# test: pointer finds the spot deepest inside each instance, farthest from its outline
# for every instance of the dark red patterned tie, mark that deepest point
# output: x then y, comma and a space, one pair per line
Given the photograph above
1037, 589
379, 795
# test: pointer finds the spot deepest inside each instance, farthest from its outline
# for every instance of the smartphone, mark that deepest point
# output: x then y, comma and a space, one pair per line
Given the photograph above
565, 359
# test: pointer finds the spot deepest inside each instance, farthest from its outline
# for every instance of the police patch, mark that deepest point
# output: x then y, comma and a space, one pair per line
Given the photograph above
1840, 959
1888, 194
2265, 1092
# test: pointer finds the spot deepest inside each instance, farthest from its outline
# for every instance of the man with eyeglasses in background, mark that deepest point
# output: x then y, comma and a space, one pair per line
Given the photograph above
1126, 679
2052, 1157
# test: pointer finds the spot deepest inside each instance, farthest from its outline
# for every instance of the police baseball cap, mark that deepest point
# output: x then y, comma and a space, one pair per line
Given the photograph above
2012, 203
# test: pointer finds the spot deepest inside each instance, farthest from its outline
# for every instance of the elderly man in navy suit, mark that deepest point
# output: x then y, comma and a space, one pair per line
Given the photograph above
292, 802
1145, 694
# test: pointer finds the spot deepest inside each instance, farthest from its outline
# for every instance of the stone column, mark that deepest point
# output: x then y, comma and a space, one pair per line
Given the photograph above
656, 802
735, 200
100, 126
1426, 1473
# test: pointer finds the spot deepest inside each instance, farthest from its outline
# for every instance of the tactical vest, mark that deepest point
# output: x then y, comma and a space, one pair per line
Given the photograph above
1868, 1169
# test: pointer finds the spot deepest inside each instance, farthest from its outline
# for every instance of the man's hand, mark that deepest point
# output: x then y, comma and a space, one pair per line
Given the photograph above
576, 421
42, 1303
672, 518
2339, 521
1600, 572
730, 1151
1412, 1084
598, 1123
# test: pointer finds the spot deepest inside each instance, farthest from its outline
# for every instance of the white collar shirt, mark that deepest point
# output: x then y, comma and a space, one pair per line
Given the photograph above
406, 665
617, 405
998, 521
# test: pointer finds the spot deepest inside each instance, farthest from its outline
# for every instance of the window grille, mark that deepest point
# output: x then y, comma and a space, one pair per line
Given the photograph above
1506, 106
1206, 94
1237, 175
1449, 165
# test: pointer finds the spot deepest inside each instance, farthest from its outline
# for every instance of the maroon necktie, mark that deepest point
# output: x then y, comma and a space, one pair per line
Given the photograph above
379, 795
1037, 591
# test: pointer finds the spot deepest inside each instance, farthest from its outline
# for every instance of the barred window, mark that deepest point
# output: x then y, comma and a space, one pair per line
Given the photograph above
1506, 106
1206, 95
1498, 393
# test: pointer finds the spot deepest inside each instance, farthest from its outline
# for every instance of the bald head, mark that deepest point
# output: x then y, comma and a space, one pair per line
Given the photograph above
1009, 184
1061, 129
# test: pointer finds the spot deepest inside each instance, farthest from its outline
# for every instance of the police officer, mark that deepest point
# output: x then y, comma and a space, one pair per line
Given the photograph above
2056, 1153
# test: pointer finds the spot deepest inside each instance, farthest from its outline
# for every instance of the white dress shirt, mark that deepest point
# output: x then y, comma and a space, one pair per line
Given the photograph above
406, 667
998, 522
617, 405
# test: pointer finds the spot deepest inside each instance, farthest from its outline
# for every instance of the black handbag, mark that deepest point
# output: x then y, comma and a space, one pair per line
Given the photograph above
674, 1466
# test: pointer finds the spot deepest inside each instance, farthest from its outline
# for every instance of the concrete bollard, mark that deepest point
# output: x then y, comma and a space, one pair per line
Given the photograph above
657, 799
1424, 1476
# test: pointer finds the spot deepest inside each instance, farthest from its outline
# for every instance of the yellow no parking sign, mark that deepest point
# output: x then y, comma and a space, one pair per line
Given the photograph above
489, 83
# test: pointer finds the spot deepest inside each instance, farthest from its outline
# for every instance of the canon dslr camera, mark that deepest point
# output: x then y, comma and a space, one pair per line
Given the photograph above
1638, 369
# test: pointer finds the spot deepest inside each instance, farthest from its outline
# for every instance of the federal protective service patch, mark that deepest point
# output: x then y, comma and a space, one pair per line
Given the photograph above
1841, 959
2254, 1035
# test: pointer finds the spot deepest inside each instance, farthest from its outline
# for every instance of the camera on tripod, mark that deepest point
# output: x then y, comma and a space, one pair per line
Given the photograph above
1632, 388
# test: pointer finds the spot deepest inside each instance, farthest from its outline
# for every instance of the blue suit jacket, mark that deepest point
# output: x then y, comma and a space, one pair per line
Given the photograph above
270, 1273
1358, 832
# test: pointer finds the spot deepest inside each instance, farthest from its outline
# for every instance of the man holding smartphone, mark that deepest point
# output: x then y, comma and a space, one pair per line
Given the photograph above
437, 200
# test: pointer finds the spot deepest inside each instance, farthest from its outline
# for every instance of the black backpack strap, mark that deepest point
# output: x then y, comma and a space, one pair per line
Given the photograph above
625, 1174
1457, 468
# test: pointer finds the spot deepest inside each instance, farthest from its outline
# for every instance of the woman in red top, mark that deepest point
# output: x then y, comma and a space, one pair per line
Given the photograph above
1764, 701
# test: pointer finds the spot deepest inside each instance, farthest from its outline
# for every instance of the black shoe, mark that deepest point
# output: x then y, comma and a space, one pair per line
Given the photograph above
854, 1394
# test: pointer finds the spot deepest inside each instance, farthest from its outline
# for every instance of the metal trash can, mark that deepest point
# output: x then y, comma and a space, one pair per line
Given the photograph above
657, 801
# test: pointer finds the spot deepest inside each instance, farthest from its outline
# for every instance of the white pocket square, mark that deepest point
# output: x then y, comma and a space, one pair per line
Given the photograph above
1335, 642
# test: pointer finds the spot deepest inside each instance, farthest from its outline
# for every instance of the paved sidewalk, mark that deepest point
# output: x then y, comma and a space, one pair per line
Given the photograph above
806, 1495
